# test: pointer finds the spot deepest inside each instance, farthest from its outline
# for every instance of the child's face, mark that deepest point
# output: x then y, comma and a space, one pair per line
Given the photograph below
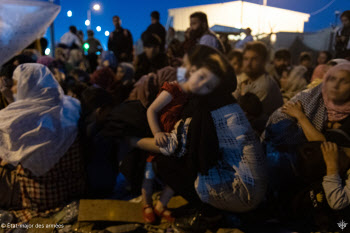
201, 81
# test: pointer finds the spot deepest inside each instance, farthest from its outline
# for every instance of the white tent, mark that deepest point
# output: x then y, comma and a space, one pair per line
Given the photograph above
22, 22
261, 19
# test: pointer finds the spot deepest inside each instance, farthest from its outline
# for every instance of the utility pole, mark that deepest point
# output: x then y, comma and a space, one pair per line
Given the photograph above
52, 33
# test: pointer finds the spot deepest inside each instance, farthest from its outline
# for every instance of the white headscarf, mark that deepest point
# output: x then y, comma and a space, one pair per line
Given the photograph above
39, 127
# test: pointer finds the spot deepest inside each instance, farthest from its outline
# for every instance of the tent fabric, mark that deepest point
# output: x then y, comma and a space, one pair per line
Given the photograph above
316, 41
22, 22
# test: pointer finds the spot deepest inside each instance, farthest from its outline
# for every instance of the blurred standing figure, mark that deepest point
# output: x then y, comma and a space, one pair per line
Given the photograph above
240, 44
342, 41
200, 32
70, 38
94, 47
120, 42
156, 28
80, 35
226, 43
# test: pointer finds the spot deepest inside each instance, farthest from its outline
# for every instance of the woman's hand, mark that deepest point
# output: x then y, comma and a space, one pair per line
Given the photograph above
331, 157
161, 139
293, 110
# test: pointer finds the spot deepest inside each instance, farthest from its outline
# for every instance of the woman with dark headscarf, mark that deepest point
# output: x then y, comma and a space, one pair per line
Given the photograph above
213, 155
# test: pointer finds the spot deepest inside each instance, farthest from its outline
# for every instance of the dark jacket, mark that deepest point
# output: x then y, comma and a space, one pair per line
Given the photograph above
158, 29
120, 42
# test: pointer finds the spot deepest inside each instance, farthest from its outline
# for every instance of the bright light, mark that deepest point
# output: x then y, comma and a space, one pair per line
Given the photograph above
231, 37
87, 22
86, 46
106, 33
69, 13
47, 51
273, 38
98, 28
96, 7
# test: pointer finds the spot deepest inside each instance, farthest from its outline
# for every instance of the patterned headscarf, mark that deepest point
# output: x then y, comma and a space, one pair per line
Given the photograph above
335, 112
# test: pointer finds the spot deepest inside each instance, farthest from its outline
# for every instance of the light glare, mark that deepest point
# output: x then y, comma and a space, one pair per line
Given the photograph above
69, 13
106, 33
87, 22
96, 7
231, 37
273, 38
98, 28
47, 51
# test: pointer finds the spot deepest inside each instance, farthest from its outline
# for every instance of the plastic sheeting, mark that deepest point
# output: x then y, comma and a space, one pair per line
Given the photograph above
22, 22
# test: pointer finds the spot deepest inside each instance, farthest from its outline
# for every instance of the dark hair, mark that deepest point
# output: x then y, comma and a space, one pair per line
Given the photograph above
93, 98
283, 54
251, 104
216, 62
116, 16
202, 17
90, 32
24, 58
82, 75
345, 14
236, 54
155, 15
305, 56
176, 47
258, 47
73, 29
7, 70
77, 88
328, 54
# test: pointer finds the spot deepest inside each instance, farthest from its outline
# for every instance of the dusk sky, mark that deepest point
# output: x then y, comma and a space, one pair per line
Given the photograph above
135, 14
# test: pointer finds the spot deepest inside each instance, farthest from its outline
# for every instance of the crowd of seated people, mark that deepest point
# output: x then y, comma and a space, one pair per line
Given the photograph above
232, 132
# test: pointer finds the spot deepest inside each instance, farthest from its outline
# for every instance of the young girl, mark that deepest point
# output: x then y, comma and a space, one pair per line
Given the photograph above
162, 115
222, 164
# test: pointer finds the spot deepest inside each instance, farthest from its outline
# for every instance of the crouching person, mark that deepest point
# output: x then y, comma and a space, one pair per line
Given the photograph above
40, 161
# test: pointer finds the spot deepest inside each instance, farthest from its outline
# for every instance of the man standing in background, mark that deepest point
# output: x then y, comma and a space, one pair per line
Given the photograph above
120, 42
156, 28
